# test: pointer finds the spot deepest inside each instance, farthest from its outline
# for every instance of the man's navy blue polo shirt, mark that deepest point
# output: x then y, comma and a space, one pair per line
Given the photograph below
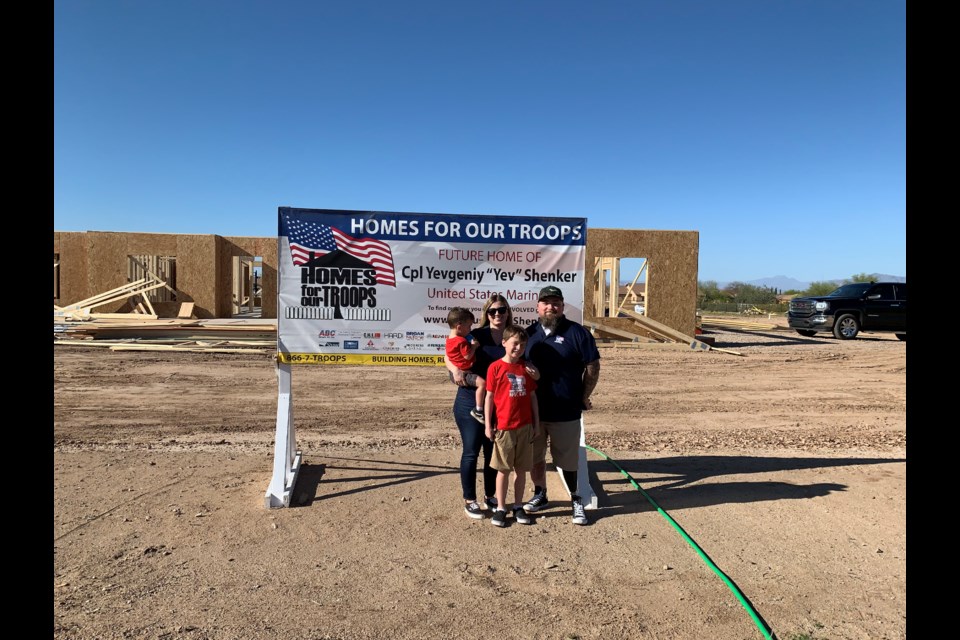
561, 358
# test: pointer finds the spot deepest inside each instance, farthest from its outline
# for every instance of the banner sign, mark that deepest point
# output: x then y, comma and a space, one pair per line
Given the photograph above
371, 287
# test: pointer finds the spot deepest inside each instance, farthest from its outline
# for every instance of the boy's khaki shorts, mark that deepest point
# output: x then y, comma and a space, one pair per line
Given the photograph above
512, 450
564, 444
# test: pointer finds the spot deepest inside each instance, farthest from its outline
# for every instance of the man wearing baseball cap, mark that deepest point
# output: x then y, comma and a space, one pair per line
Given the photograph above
566, 355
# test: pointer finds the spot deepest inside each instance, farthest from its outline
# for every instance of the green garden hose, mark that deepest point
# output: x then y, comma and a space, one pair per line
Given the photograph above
757, 620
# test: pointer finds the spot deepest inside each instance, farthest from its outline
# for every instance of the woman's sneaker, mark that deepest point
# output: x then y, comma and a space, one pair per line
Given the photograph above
537, 502
499, 518
473, 510
521, 516
491, 503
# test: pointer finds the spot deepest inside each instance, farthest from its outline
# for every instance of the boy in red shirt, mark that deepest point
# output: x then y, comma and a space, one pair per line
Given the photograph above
512, 402
462, 352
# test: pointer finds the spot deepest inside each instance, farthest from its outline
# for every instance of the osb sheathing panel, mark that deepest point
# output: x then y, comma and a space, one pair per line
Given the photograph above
198, 273
107, 265
151, 244
266, 249
72, 248
672, 260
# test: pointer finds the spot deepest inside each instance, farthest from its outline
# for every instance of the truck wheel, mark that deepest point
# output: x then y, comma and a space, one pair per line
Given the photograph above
846, 327
902, 336
806, 333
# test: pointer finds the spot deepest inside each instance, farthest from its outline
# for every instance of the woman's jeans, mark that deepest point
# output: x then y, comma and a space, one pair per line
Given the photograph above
474, 439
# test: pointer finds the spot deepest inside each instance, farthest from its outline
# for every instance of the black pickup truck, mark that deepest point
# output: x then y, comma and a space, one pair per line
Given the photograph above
852, 308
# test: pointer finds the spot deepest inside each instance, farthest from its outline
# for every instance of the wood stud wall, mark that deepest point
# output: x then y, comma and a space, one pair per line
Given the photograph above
164, 267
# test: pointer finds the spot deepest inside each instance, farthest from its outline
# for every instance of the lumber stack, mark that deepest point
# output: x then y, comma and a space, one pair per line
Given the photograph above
136, 334
741, 325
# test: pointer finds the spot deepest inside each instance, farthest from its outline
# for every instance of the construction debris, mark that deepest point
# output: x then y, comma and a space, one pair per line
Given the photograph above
83, 310
646, 331
142, 330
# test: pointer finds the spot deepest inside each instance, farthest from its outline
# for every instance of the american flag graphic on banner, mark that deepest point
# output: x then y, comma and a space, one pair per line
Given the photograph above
306, 237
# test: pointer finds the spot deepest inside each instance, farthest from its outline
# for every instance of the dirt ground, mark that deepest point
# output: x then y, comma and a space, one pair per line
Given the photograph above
787, 466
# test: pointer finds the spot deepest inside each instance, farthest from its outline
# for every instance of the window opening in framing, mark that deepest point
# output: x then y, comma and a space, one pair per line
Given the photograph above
163, 268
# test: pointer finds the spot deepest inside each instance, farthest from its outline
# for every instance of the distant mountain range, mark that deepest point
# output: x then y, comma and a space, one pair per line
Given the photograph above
785, 283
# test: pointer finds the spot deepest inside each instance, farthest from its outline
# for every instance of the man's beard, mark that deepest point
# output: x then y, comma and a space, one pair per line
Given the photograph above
550, 320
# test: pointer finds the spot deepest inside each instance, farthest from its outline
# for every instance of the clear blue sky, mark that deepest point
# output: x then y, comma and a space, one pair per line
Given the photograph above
775, 129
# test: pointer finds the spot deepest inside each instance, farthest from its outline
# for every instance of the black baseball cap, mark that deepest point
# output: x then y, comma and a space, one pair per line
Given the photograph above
550, 292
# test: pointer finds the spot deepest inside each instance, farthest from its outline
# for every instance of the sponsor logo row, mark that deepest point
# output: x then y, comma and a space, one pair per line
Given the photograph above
378, 335
378, 345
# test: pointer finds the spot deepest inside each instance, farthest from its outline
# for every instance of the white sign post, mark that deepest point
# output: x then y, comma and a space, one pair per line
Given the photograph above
587, 495
286, 458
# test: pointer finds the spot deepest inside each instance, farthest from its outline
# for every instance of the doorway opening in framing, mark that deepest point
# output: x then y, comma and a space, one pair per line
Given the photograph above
621, 286
247, 301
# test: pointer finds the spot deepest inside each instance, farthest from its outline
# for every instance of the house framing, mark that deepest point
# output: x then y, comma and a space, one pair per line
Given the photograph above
210, 270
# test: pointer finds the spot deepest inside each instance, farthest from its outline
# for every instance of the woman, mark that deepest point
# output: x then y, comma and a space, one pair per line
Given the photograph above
496, 316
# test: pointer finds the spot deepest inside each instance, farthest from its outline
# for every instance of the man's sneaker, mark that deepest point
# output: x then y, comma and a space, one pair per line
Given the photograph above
521, 516
473, 510
478, 416
499, 518
491, 503
537, 502
579, 515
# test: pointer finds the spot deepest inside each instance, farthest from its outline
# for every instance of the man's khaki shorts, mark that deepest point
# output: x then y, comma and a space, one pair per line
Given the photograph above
512, 450
564, 444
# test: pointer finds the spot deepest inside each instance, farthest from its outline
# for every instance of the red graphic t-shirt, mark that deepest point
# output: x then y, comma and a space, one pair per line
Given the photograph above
510, 386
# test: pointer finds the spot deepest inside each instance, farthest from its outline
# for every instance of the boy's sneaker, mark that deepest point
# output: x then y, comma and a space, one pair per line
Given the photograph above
499, 518
491, 503
537, 502
478, 416
521, 516
473, 510
579, 515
